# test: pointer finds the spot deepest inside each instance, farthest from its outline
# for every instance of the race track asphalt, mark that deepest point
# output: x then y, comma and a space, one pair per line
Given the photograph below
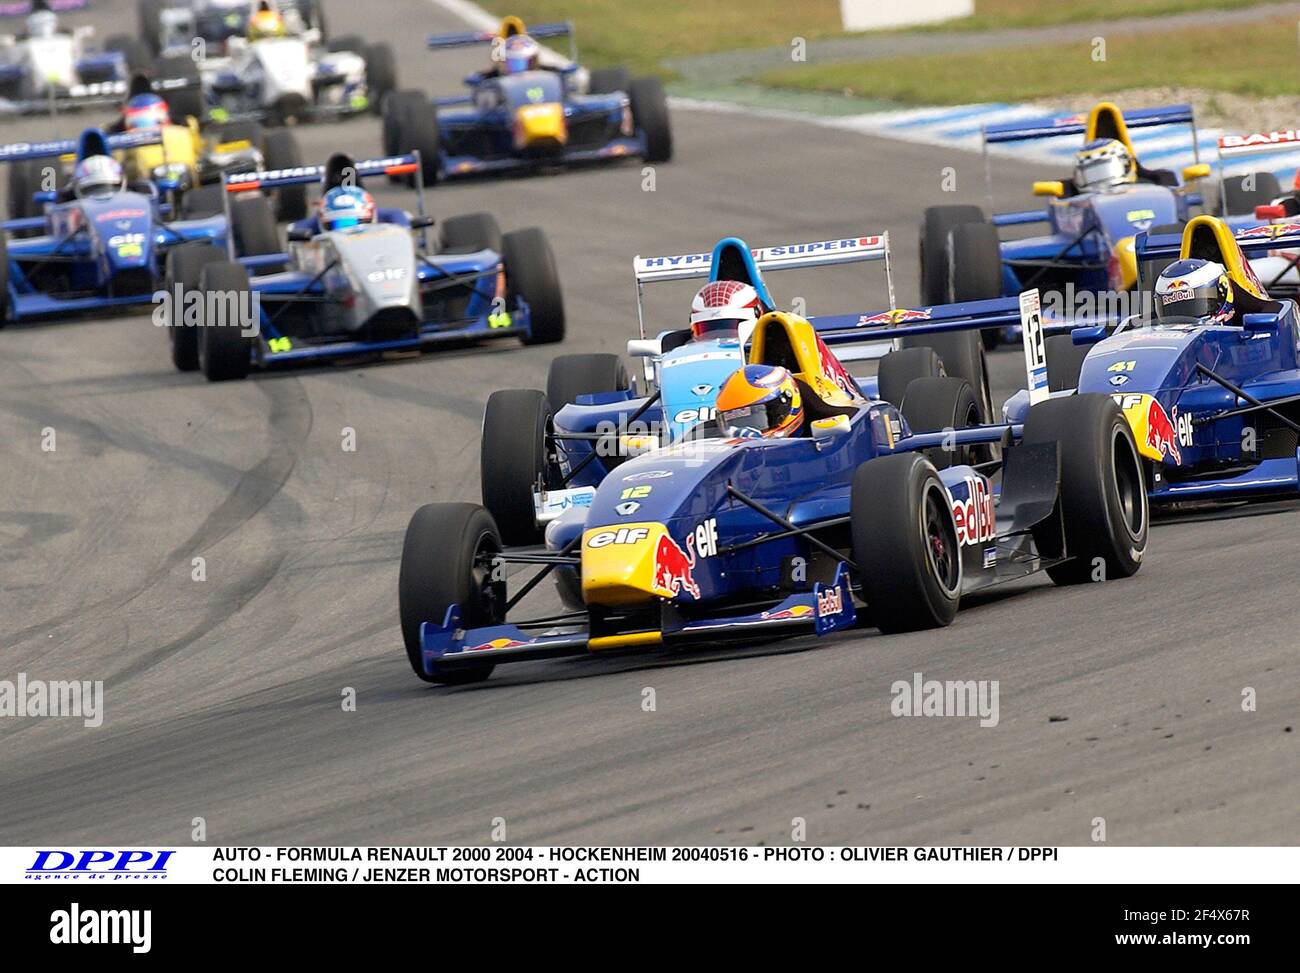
223, 697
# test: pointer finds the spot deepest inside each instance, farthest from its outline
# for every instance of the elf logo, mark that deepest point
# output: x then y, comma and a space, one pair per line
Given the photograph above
624, 535
974, 517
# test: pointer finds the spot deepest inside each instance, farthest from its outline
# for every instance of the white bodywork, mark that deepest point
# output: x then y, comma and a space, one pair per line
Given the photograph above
47, 62
275, 68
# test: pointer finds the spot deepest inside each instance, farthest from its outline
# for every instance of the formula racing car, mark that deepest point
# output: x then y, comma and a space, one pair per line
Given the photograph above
101, 242
1213, 397
732, 533
522, 115
360, 280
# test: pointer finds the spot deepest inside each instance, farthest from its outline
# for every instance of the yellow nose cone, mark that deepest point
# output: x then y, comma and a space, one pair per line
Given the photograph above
540, 125
627, 564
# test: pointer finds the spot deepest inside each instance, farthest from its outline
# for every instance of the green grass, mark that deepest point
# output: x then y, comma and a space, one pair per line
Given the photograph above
1041, 13
1257, 59
643, 35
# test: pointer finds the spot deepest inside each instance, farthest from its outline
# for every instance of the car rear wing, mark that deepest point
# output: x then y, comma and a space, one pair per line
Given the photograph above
1255, 145
396, 165
784, 256
1251, 239
15, 151
895, 323
20, 8
96, 95
473, 38
1060, 126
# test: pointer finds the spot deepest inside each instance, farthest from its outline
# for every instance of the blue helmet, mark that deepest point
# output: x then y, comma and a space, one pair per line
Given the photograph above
521, 53
345, 206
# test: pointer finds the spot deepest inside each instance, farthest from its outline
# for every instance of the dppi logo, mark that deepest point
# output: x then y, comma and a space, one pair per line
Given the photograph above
99, 865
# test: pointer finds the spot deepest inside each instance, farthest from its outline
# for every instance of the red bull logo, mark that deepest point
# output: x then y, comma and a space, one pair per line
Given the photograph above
1268, 231
495, 644
1161, 435
675, 568
835, 371
795, 611
899, 315
830, 601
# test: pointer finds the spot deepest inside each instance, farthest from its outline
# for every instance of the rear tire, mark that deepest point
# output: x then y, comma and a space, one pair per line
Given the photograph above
469, 233
937, 405
898, 369
135, 53
513, 459
606, 81
1064, 362
531, 274
574, 375
252, 222
183, 103
224, 350
650, 114
149, 13
25, 179
442, 566
412, 124
936, 227
280, 150
962, 354
381, 74
1103, 494
182, 275
905, 543
1241, 199
975, 269
201, 202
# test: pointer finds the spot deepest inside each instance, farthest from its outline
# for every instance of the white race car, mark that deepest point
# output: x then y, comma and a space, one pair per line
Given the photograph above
47, 67
289, 78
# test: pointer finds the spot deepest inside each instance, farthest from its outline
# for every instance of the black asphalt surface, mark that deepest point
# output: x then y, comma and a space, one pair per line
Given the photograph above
223, 697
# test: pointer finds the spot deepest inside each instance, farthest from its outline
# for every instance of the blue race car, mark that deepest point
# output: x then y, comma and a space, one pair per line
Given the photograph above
1093, 218
93, 251
521, 115
375, 286
592, 416
861, 516
1213, 399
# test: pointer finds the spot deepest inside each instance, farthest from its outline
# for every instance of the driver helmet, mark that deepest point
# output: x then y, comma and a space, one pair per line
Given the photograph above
1195, 289
760, 400
145, 111
520, 53
265, 23
723, 305
97, 176
346, 206
42, 23
1103, 164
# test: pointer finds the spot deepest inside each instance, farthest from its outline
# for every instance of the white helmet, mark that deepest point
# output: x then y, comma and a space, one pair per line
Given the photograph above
1194, 290
723, 305
97, 175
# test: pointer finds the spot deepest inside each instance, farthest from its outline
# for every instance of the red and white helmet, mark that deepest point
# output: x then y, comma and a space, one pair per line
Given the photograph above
724, 305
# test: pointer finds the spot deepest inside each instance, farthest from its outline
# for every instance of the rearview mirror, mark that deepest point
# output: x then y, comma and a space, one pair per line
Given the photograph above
1089, 335
1259, 322
298, 234
1056, 189
825, 430
422, 222
1198, 171
643, 348
1270, 211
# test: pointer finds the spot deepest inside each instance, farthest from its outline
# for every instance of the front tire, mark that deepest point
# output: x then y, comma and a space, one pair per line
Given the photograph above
513, 459
469, 233
381, 74
280, 150
225, 351
1103, 500
444, 563
936, 227
182, 275
905, 543
937, 405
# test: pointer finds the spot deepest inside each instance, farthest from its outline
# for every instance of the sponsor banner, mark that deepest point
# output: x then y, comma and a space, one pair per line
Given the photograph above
72, 868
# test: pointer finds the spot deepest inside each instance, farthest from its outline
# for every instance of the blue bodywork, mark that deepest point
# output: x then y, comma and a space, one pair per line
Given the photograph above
726, 566
1211, 443
96, 253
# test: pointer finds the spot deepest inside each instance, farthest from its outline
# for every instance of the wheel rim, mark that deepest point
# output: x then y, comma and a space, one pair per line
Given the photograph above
943, 554
487, 597
1129, 488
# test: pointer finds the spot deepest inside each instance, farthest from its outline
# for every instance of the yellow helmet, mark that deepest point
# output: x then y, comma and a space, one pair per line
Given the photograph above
265, 23
1103, 164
